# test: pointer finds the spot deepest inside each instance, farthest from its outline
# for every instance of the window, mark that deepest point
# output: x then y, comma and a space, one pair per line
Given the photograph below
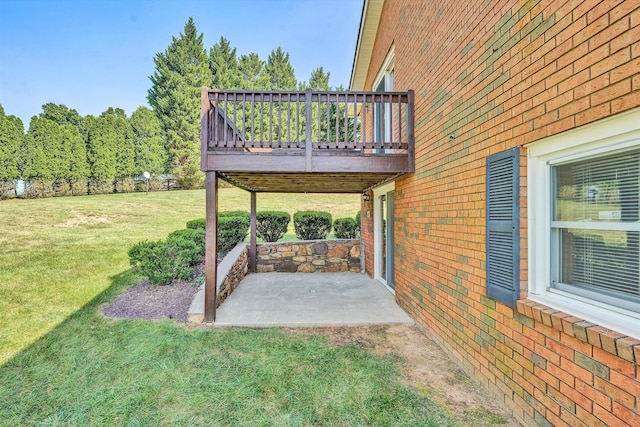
594, 228
584, 222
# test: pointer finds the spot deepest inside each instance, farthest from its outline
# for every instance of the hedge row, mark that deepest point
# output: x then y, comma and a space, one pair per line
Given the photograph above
174, 257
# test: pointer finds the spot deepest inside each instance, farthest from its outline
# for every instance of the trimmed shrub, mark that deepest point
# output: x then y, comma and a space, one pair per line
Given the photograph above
197, 224
312, 225
194, 235
233, 227
358, 222
272, 225
161, 262
231, 231
345, 228
227, 214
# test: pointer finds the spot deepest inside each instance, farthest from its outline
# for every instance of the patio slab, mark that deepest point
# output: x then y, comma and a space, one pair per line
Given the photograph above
264, 300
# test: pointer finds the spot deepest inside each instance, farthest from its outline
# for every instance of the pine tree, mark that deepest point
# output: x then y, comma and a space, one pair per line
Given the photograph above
319, 80
181, 71
11, 136
279, 71
223, 63
122, 135
149, 142
101, 154
60, 114
41, 157
252, 72
78, 172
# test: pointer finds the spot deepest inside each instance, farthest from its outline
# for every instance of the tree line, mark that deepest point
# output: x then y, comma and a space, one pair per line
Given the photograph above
63, 153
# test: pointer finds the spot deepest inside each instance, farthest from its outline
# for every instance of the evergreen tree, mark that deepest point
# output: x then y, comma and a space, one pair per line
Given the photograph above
279, 71
319, 80
11, 136
252, 72
41, 157
223, 63
149, 142
60, 114
122, 136
78, 172
181, 71
101, 154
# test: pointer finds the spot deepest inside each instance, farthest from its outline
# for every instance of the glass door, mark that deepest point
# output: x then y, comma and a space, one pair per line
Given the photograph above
384, 235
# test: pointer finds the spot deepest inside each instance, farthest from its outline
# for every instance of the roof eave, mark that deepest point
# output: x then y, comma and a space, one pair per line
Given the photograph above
369, 21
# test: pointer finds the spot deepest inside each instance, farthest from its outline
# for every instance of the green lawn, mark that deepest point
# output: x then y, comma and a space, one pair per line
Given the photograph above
66, 364
57, 254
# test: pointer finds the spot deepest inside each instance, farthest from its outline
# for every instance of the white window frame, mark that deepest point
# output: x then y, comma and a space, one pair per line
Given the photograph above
386, 73
616, 133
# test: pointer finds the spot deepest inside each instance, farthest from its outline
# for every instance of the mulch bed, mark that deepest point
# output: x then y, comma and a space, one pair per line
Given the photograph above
153, 302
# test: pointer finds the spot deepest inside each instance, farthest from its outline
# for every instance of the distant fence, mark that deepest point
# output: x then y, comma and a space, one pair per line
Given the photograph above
41, 188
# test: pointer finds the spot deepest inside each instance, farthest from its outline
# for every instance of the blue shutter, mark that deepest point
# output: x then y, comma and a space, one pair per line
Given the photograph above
503, 226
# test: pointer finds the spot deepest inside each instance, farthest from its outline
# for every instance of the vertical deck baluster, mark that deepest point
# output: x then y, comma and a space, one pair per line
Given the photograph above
400, 119
289, 120
308, 131
363, 134
346, 121
226, 125
271, 120
319, 120
253, 119
234, 134
337, 121
328, 136
391, 124
214, 124
297, 120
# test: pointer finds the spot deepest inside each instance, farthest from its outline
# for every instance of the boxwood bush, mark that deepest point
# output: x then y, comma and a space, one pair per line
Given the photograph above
272, 225
231, 231
164, 260
312, 225
358, 222
233, 227
345, 228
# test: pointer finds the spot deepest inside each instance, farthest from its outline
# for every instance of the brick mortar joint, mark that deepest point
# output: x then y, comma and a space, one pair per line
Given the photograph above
581, 329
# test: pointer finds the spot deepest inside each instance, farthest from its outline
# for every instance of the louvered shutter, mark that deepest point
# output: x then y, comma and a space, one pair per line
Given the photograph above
503, 231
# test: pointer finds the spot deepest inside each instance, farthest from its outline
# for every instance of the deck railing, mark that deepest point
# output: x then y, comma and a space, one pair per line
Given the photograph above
368, 122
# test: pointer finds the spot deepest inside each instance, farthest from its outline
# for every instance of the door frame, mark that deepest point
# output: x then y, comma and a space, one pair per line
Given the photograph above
378, 257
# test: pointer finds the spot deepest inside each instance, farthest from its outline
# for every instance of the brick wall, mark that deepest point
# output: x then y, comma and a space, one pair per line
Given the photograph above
499, 74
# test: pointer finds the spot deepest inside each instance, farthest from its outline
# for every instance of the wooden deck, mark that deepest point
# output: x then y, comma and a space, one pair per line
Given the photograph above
301, 142
326, 142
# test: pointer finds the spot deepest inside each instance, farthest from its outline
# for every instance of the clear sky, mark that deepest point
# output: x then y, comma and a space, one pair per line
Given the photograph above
93, 54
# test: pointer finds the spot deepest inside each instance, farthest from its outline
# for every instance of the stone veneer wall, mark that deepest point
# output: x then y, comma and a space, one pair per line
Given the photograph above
234, 276
310, 256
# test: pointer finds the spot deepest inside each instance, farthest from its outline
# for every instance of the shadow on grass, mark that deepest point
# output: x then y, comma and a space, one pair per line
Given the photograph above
92, 370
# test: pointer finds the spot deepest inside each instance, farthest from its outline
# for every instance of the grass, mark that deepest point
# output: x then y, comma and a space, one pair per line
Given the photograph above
57, 254
92, 370
66, 364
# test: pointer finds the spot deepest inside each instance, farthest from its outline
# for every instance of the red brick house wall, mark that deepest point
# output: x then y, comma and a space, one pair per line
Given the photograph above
500, 74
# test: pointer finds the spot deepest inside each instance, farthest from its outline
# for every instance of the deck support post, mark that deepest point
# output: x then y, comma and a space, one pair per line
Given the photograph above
253, 259
211, 245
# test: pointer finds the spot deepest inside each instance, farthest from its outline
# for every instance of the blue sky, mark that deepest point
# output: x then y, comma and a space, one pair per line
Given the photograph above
95, 54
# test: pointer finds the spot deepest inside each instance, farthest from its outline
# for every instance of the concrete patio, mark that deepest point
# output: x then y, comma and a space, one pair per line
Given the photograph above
306, 300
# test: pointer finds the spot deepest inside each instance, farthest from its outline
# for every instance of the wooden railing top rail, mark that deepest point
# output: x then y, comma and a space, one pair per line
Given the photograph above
372, 122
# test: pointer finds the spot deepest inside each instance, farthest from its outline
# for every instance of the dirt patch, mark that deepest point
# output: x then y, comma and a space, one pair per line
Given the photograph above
153, 302
426, 368
79, 218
